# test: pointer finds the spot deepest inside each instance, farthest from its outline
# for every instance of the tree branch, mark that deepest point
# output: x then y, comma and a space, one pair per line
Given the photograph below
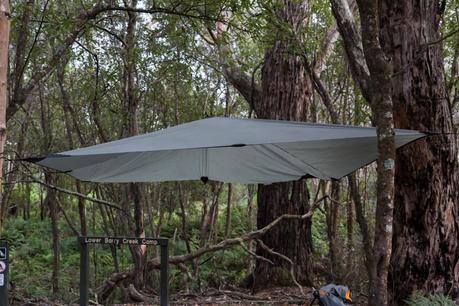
292, 266
319, 86
80, 22
245, 84
327, 47
154, 263
342, 10
71, 192
69, 222
255, 255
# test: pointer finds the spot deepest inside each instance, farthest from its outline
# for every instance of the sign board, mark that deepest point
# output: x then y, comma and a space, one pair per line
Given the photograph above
2, 266
122, 240
84, 262
2, 280
2, 253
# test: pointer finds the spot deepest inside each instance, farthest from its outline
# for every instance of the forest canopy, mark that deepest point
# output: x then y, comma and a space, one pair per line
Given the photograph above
79, 73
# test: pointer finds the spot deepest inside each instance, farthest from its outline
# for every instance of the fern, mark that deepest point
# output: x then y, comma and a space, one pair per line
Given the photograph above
430, 300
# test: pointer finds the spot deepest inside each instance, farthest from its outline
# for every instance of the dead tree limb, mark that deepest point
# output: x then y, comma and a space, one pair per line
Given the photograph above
255, 255
292, 266
117, 278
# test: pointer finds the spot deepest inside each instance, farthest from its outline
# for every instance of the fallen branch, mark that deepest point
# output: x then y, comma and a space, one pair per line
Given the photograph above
135, 295
106, 289
255, 255
292, 266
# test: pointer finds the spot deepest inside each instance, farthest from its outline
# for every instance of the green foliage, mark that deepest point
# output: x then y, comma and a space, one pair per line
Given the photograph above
178, 78
430, 300
319, 234
30, 256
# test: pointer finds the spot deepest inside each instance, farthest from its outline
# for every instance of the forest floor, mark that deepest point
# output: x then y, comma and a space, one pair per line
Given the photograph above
276, 296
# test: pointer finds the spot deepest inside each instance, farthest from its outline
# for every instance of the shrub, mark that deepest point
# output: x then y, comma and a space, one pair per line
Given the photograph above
430, 300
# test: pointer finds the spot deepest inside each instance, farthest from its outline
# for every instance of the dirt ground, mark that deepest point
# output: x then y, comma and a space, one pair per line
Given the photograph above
276, 296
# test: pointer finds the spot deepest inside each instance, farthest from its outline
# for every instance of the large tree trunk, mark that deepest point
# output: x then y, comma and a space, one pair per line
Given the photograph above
286, 93
292, 238
426, 225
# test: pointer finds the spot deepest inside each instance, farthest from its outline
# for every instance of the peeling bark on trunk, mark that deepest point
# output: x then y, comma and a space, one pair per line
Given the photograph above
426, 224
292, 238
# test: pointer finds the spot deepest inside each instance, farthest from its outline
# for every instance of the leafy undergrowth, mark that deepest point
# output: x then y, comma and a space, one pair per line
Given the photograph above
430, 300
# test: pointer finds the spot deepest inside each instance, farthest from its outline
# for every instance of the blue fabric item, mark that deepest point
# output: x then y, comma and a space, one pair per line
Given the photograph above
335, 295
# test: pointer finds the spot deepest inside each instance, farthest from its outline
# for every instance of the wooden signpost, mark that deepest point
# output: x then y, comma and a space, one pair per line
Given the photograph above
84, 262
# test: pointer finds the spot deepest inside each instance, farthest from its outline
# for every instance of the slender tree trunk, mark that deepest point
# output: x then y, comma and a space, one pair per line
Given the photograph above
229, 211
21, 50
70, 117
50, 201
27, 202
131, 101
139, 252
113, 248
372, 71
350, 236
381, 104
17, 77
4, 45
12, 167
209, 213
332, 216
81, 210
213, 233
250, 195
426, 223
182, 201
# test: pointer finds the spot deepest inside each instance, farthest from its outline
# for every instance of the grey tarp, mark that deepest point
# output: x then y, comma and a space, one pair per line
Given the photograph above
228, 150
